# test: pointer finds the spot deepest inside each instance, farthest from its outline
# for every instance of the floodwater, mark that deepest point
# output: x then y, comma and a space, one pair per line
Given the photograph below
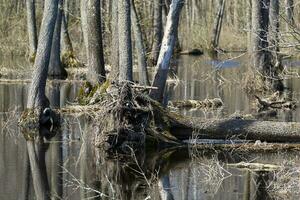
75, 171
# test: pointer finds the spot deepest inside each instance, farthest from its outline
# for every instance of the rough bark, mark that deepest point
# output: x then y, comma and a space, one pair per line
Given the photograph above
157, 31
31, 28
140, 47
114, 51
125, 46
166, 51
93, 33
56, 70
37, 99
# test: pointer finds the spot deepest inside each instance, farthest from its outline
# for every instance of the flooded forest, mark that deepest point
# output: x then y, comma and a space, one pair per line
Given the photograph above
149, 99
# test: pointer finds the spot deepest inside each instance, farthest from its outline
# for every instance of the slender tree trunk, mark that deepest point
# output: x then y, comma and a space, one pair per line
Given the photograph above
140, 48
114, 51
274, 31
125, 46
31, 28
290, 13
92, 30
249, 24
67, 46
157, 31
166, 51
56, 69
217, 26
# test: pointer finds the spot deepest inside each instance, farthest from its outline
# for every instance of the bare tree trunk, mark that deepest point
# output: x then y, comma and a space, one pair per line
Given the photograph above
157, 31
249, 24
37, 99
217, 26
114, 51
274, 31
93, 32
31, 28
290, 13
67, 46
56, 70
140, 48
125, 46
166, 51
260, 23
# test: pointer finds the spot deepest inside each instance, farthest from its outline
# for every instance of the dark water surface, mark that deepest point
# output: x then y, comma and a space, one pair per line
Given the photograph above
76, 173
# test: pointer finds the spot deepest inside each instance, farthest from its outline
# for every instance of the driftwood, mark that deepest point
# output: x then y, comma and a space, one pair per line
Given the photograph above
275, 102
192, 52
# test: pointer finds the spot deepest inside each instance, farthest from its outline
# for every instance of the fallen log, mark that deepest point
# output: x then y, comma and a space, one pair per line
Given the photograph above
133, 119
206, 103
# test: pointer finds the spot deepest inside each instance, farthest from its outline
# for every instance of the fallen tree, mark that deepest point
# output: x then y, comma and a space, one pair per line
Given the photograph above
133, 119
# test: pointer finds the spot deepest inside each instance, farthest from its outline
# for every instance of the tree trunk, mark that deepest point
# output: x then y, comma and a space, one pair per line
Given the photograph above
37, 99
166, 51
217, 26
157, 31
290, 13
249, 24
140, 48
114, 50
31, 28
260, 23
125, 46
67, 46
274, 31
93, 32
56, 70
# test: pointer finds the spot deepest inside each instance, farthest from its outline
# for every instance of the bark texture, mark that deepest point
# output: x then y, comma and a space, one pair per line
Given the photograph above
140, 47
157, 31
166, 51
56, 70
31, 28
93, 32
114, 51
125, 46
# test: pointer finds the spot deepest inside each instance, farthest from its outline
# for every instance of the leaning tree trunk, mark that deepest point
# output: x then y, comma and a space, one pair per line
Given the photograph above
125, 46
67, 47
157, 31
166, 51
37, 99
31, 28
56, 70
93, 34
140, 48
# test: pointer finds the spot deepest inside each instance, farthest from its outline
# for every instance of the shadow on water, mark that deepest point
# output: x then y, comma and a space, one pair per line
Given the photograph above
76, 170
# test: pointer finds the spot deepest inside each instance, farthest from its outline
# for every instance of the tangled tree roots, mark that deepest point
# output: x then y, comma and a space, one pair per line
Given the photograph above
127, 117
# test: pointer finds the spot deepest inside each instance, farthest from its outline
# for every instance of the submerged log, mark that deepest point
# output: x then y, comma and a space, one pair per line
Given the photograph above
206, 103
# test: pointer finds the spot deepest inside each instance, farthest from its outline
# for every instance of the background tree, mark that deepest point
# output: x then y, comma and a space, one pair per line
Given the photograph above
31, 28
125, 47
93, 33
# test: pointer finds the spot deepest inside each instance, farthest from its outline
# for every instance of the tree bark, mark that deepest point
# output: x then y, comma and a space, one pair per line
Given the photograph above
67, 46
140, 48
114, 51
260, 23
274, 31
56, 70
157, 31
93, 32
166, 51
37, 99
31, 28
125, 46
